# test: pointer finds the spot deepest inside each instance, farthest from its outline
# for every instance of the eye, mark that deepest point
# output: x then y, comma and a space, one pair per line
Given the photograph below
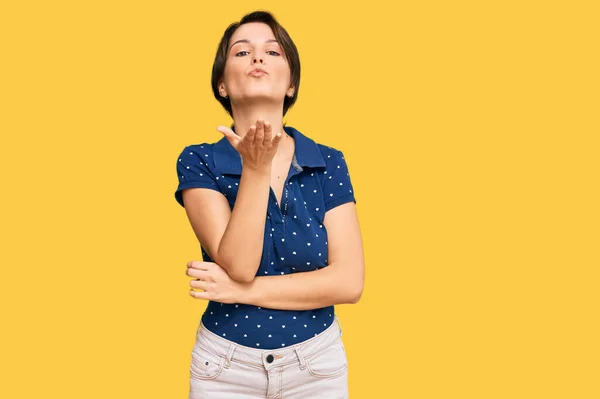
244, 51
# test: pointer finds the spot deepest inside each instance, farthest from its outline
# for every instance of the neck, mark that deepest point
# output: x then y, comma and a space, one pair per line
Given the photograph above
246, 115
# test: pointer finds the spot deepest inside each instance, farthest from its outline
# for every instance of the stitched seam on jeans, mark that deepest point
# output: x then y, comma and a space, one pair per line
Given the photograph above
198, 364
204, 377
321, 350
253, 365
260, 365
203, 347
332, 375
280, 390
197, 376
310, 358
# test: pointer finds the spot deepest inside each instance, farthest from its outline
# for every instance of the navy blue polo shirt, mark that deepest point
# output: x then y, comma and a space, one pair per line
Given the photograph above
295, 239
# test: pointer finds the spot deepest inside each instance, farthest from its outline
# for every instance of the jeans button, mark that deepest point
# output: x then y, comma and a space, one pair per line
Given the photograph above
270, 359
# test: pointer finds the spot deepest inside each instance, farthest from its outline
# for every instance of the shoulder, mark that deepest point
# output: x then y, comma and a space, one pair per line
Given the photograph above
195, 169
197, 154
333, 157
327, 151
336, 183
307, 144
202, 150
196, 161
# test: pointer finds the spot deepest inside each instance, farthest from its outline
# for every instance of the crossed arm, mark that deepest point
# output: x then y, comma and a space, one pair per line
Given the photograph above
340, 282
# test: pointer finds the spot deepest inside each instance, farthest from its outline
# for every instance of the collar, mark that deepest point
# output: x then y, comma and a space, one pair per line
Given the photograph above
306, 153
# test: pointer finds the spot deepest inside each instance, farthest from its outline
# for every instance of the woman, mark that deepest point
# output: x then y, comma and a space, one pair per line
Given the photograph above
275, 215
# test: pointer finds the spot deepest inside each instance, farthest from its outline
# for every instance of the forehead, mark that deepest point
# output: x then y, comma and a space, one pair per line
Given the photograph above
256, 32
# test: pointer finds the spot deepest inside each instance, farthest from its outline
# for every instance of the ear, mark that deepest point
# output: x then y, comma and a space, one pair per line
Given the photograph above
290, 92
222, 90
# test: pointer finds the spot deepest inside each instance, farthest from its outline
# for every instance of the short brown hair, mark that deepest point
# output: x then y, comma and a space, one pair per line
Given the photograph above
285, 41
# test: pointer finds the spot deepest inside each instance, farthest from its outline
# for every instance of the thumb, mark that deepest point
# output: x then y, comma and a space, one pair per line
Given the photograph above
233, 138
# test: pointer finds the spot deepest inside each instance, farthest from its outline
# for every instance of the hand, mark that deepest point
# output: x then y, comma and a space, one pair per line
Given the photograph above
258, 147
215, 283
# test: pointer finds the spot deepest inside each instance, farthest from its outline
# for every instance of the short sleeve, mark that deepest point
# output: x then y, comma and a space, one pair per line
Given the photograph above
193, 172
337, 186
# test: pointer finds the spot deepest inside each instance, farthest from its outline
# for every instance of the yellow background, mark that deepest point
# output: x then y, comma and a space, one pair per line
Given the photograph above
471, 132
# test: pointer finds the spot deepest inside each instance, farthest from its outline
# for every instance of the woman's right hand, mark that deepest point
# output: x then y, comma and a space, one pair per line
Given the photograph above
258, 146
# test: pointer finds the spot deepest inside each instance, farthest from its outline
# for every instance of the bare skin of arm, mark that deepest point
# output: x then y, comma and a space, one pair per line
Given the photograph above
340, 282
234, 238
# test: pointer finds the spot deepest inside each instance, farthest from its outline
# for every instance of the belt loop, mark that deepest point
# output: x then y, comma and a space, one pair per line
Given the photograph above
229, 355
300, 358
339, 325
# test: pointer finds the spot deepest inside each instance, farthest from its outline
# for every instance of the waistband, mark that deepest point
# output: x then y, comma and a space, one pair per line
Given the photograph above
267, 358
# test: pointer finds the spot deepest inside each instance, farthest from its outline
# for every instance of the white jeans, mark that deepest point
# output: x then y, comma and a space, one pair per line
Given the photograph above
316, 368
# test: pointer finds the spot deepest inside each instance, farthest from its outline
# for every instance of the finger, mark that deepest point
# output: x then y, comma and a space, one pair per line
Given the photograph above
228, 132
260, 132
233, 138
200, 294
196, 273
198, 264
199, 284
277, 139
268, 132
249, 137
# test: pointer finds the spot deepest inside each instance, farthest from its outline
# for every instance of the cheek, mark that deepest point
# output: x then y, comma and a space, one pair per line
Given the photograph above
234, 73
283, 71
283, 77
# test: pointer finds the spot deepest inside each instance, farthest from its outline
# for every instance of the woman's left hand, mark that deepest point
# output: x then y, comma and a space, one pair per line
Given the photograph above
215, 283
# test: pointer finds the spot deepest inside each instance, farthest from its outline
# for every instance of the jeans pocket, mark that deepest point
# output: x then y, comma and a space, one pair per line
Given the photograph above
328, 363
205, 365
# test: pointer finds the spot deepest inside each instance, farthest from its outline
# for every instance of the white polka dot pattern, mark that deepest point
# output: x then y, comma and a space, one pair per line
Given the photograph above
295, 238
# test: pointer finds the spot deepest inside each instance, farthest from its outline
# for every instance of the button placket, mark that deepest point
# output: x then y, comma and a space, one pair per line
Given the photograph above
285, 204
274, 213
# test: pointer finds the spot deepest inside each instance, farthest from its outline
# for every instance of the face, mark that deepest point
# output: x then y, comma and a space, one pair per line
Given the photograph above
254, 45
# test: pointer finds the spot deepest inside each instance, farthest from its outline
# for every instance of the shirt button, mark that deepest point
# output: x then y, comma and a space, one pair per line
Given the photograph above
270, 359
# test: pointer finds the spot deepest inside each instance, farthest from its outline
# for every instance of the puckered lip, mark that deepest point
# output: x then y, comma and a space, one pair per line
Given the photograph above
254, 70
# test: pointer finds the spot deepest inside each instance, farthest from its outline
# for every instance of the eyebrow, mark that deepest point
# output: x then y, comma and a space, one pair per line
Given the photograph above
248, 41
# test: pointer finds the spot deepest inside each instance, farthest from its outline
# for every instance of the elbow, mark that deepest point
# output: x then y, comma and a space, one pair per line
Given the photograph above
242, 277
355, 296
352, 289
355, 293
357, 285
242, 274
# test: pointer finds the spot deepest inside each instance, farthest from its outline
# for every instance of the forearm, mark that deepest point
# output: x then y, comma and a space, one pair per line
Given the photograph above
241, 247
303, 291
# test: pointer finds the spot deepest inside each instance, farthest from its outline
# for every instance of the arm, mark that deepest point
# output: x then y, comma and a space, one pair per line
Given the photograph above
233, 239
340, 282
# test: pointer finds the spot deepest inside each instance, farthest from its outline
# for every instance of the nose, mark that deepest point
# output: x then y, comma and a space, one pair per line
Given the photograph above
255, 60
